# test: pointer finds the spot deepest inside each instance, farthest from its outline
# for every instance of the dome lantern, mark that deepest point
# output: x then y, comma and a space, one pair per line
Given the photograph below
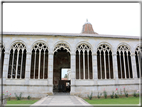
87, 28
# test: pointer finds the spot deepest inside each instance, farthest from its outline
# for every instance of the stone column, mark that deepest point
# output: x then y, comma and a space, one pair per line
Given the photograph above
73, 66
79, 65
109, 65
95, 70
128, 63
100, 66
17, 60
83, 64
140, 63
120, 63
28, 67
88, 64
39, 64
34, 63
6, 65
50, 72
44, 65
12, 62
134, 70
21, 64
115, 68
124, 63
105, 64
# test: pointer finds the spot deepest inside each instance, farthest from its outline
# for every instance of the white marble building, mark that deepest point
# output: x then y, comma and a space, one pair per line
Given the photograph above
31, 63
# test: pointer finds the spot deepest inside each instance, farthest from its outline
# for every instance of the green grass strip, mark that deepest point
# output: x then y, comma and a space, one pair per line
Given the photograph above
129, 100
23, 101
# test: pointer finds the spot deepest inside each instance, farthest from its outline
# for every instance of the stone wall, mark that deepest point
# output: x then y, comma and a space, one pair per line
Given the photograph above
41, 87
35, 88
85, 87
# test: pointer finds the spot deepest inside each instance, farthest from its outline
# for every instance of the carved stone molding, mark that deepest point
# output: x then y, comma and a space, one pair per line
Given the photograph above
61, 45
123, 48
83, 47
18, 46
104, 47
138, 49
40, 46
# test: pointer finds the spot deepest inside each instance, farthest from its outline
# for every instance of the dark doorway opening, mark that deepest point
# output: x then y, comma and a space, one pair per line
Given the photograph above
61, 83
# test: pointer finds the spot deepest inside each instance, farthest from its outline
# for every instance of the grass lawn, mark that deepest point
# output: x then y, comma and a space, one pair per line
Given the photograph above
22, 101
129, 100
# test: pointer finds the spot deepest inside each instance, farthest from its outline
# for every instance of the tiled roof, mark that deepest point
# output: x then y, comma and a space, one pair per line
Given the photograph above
88, 29
64, 79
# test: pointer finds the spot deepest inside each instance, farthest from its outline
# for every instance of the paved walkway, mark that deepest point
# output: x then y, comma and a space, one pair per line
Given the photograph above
61, 100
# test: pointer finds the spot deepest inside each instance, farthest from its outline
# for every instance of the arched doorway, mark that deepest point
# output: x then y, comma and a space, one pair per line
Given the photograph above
61, 81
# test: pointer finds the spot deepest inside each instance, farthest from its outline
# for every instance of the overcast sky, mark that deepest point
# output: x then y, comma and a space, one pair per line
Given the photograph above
64, 71
106, 18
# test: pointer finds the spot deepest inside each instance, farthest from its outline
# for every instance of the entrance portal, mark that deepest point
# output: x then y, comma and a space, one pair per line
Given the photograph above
61, 60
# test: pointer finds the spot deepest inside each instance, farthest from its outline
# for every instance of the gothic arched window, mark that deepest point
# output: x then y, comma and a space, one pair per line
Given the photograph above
104, 60
138, 60
17, 61
124, 62
84, 62
61, 45
2, 49
39, 62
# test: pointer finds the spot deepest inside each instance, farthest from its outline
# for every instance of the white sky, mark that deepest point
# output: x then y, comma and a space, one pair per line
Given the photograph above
64, 71
106, 18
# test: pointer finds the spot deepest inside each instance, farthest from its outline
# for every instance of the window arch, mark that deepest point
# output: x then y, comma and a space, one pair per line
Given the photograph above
138, 58
39, 61
124, 62
17, 61
2, 56
61, 45
84, 62
104, 60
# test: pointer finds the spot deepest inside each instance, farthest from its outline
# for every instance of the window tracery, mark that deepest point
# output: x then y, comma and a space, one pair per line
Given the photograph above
39, 61
138, 61
124, 62
83, 62
2, 53
17, 61
104, 60
61, 45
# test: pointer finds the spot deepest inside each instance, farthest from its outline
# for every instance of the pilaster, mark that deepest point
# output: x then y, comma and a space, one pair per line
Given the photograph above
73, 74
115, 68
134, 70
28, 67
5, 65
50, 72
95, 70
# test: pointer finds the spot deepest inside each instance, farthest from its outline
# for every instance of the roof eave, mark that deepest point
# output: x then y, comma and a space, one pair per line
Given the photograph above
70, 34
